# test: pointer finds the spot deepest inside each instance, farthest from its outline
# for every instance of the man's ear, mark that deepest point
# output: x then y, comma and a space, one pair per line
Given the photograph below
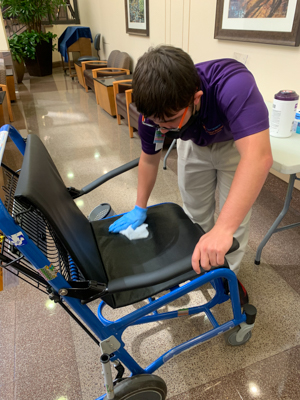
197, 97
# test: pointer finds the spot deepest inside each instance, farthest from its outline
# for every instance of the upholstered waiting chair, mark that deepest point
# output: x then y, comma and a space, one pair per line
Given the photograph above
4, 87
132, 113
118, 63
120, 88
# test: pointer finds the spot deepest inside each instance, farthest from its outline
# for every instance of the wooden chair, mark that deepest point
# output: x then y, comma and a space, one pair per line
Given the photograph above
120, 88
132, 112
117, 60
3, 86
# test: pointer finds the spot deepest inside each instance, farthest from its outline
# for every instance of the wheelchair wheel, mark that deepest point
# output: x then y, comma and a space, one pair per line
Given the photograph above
141, 387
231, 337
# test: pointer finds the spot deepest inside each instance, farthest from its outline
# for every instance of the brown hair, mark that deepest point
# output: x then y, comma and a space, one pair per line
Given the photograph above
164, 82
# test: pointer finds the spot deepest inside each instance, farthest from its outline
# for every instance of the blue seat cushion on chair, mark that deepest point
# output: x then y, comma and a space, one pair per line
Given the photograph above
173, 237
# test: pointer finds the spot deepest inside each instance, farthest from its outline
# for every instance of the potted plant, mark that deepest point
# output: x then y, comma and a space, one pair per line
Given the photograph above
16, 49
36, 45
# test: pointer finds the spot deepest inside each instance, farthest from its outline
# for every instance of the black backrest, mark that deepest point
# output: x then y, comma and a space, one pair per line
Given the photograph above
97, 41
41, 186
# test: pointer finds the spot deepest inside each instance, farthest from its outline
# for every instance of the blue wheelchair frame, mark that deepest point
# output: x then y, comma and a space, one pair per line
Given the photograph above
103, 328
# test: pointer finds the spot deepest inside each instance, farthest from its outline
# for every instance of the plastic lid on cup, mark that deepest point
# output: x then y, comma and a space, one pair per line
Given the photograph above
286, 95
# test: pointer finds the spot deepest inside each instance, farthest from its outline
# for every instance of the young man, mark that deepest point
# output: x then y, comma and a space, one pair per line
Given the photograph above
219, 116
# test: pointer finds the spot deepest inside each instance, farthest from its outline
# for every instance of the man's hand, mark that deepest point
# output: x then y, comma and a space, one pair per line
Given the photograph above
134, 218
211, 249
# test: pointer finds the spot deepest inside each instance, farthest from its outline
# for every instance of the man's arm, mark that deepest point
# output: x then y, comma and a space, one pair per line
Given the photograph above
147, 173
255, 163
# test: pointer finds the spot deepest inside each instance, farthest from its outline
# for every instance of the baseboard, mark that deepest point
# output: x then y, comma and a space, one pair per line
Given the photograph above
56, 64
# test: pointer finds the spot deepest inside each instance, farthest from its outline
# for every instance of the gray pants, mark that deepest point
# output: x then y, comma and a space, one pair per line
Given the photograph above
200, 171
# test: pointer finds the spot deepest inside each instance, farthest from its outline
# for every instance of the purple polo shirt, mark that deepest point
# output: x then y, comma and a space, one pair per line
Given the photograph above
231, 106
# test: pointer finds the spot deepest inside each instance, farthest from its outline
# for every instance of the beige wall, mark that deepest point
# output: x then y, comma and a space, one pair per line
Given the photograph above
3, 39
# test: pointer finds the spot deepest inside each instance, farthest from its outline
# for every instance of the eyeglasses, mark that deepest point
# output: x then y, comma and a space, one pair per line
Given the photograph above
164, 128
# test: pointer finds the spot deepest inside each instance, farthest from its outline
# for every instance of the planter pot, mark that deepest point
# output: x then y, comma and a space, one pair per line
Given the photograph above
42, 65
19, 69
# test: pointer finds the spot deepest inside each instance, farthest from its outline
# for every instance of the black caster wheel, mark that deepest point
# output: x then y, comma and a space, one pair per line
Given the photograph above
141, 387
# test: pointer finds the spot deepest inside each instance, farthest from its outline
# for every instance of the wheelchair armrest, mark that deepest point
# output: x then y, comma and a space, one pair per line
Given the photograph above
75, 193
153, 278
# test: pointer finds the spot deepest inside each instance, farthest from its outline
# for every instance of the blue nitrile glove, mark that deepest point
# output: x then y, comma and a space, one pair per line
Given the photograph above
134, 217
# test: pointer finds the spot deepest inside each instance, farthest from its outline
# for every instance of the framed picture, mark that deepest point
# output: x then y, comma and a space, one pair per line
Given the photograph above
268, 21
137, 17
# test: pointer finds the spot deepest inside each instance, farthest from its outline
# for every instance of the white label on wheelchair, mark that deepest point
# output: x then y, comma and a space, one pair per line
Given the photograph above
3, 138
17, 239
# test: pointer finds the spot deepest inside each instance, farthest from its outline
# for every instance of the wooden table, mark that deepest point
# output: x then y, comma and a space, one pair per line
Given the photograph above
105, 93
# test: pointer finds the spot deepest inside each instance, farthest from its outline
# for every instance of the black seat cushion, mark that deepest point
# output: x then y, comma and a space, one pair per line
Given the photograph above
172, 237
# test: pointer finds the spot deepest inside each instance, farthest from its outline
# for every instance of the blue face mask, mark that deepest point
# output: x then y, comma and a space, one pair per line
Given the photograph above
180, 134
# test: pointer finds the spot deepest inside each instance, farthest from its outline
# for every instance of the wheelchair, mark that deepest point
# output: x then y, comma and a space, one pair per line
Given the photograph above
47, 241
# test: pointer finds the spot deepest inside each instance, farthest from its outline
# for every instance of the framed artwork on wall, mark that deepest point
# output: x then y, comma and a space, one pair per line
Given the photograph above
267, 21
137, 17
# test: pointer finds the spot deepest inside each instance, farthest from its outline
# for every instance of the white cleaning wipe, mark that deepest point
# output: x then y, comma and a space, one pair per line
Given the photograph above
141, 232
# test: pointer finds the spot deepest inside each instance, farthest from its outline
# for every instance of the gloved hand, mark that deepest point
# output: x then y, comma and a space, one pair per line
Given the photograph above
134, 217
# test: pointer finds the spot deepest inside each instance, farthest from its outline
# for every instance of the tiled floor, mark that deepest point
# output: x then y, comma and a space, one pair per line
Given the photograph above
46, 356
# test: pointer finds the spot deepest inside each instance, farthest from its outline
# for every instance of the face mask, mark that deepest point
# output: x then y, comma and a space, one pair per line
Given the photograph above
180, 134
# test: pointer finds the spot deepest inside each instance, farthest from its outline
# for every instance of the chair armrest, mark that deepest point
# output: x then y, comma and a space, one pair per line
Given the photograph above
83, 64
104, 178
116, 85
128, 96
110, 71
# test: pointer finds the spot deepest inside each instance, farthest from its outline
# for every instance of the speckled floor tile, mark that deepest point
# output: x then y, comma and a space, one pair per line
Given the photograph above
7, 391
7, 357
49, 384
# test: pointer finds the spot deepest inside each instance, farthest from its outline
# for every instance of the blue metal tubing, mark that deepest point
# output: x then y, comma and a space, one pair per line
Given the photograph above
15, 137
217, 299
140, 316
128, 320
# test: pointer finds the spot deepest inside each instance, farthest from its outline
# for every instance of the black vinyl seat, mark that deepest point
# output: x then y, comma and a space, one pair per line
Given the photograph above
162, 260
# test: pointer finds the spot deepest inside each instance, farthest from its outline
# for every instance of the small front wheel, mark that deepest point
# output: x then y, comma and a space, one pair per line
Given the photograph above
231, 337
141, 387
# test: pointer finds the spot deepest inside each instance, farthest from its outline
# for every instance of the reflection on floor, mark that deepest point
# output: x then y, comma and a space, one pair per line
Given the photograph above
45, 356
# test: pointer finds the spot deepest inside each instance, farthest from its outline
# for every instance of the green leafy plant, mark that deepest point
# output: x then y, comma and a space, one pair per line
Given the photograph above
16, 48
24, 45
31, 12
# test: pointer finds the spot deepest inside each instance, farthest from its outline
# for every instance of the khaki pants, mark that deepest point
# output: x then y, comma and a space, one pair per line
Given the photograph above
200, 171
